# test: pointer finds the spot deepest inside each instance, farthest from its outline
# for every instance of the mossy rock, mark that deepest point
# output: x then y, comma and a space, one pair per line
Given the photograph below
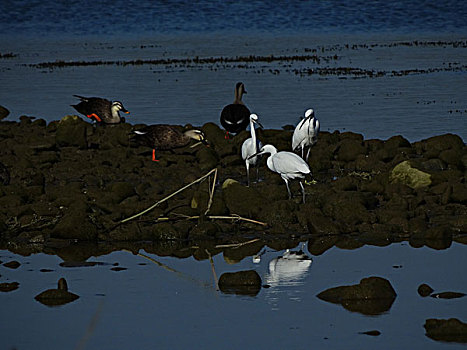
404, 173
349, 149
242, 200
71, 131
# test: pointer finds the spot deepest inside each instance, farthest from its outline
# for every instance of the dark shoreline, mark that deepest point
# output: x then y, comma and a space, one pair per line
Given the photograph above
70, 182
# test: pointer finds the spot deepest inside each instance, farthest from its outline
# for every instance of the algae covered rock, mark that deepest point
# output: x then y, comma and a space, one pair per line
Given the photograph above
451, 330
71, 131
404, 173
372, 296
241, 282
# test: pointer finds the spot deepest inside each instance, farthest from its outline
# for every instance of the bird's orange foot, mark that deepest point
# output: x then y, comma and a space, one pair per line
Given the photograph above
154, 156
94, 115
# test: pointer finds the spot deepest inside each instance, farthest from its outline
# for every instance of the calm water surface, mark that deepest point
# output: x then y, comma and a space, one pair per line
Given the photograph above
176, 305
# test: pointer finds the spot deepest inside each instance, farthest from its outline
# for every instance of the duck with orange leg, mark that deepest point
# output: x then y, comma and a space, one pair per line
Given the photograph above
100, 109
166, 137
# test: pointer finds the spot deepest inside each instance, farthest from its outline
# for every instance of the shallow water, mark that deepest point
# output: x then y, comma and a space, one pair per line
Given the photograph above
420, 91
174, 304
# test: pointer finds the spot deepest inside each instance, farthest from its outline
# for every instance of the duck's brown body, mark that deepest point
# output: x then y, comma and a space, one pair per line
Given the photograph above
100, 109
166, 137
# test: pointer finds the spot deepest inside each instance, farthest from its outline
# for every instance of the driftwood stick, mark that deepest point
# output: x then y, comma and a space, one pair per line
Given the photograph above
234, 217
236, 245
216, 283
168, 197
211, 192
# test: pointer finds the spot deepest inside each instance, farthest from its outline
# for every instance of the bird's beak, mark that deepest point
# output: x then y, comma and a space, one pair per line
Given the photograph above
260, 125
125, 111
256, 154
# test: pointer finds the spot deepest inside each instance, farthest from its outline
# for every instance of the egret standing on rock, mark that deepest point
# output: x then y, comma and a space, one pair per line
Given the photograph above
100, 109
235, 116
250, 147
306, 133
287, 164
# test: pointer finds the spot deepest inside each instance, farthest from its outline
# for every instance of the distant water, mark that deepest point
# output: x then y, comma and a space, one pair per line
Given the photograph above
417, 50
117, 17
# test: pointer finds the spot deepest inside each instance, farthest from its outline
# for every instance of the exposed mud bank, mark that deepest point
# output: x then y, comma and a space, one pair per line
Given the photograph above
69, 181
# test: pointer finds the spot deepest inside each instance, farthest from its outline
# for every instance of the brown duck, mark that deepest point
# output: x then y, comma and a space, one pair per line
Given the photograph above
100, 109
166, 137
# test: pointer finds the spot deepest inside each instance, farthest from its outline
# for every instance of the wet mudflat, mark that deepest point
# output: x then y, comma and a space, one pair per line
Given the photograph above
155, 295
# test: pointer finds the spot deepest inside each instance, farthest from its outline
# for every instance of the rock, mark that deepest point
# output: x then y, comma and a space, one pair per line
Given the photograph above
55, 297
372, 296
424, 290
8, 287
121, 190
350, 149
75, 224
241, 282
71, 131
12, 264
404, 173
448, 295
3, 112
451, 330
4, 175
373, 333
242, 200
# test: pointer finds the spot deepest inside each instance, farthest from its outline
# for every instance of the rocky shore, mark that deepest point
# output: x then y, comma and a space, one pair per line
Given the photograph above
69, 181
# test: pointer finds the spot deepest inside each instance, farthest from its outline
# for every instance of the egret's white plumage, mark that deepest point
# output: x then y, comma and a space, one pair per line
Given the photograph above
306, 133
250, 147
287, 164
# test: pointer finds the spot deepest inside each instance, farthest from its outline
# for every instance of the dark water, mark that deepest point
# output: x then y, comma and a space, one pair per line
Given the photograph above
419, 47
116, 17
174, 305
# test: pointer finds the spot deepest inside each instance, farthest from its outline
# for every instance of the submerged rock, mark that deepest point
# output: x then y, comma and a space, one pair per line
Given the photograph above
55, 297
405, 174
8, 287
241, 282
372, 296
451, 330
448, 295
424, 290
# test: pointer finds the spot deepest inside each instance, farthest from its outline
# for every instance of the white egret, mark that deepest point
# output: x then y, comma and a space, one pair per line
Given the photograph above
250, 147
306, 133
287, 164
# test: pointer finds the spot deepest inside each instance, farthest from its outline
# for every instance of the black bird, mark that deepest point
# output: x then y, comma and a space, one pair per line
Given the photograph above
166, 137
100, 109
235, 117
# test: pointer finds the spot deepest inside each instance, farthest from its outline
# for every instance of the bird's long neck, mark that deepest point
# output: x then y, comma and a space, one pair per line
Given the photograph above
238, 96
114, 111
253, 134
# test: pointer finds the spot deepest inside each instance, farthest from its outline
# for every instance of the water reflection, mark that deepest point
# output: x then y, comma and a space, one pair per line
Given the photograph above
285, 273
